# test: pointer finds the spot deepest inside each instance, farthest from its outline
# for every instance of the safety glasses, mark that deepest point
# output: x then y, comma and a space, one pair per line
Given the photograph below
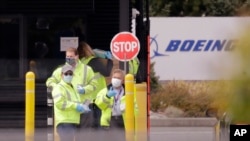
68, 73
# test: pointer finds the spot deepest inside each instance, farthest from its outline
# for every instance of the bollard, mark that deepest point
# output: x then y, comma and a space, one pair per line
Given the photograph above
141, 117
217, 131
129, 112
29, 106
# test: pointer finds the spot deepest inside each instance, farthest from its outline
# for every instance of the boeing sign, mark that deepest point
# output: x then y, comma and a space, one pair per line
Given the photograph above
193, 48
201, 45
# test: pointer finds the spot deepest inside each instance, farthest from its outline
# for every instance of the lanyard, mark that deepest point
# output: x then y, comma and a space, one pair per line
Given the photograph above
117, 97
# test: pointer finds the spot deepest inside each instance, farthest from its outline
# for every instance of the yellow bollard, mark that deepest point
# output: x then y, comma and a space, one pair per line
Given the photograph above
141, 118
217, 131
29, 106
129, 112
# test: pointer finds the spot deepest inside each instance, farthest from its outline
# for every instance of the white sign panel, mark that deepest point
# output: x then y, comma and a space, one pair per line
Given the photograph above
66, 42
199, 48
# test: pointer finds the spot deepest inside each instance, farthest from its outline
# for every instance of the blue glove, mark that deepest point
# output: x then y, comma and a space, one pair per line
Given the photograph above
80, 89
86, 108
111, 93
108, 55
82, 108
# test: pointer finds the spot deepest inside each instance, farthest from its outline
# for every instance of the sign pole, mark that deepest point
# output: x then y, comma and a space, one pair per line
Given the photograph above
125, 63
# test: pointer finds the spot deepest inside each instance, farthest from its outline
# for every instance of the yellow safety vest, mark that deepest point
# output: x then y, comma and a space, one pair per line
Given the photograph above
101, 81
134, 66
65, 101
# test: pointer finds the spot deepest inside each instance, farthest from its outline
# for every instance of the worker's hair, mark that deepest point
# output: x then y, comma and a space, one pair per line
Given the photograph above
85, 50
72, 49
119, 71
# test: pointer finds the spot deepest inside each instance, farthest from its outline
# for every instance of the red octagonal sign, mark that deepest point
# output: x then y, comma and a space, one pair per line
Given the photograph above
125, 46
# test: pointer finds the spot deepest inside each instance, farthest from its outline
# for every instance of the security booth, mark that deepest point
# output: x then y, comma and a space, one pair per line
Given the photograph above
30, 33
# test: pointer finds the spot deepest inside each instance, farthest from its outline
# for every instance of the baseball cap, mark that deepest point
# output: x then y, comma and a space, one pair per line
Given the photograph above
66, 68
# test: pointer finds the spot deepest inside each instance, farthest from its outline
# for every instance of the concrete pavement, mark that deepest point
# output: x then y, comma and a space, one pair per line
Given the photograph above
174, 129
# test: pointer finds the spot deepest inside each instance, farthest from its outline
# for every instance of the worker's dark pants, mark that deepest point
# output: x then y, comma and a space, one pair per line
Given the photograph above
96, 116
115, 131
66, 131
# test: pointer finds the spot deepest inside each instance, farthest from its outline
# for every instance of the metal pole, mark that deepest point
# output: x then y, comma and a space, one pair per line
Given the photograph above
124, 25
29, 106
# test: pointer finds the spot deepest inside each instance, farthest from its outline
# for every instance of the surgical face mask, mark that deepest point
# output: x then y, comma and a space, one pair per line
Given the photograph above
116, 82
67, 78
71, 61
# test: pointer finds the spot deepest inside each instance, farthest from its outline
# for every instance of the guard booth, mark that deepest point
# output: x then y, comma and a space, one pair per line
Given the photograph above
30, 32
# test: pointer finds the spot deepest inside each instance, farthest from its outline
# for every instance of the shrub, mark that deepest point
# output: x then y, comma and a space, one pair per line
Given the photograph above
195, 98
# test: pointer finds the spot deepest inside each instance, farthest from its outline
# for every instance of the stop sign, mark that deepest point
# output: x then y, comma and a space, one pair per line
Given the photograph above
125, 46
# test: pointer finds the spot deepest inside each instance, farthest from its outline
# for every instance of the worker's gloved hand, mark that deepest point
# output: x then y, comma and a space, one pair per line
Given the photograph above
82, 108
86, 108
80, 89
111, 93
108, 55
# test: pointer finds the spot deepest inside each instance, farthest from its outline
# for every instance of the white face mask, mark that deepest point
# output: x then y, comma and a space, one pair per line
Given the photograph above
67, 78
116, 82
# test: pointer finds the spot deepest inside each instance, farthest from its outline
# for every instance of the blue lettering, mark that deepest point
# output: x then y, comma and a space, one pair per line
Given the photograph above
208, 45
173, 45
187, 45
218, 45
199, 45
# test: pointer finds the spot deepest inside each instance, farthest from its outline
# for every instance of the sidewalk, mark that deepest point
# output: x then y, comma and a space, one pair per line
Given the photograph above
183, 122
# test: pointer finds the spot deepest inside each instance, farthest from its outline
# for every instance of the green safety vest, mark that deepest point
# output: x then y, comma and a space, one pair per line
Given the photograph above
65, 101
101, 81
134, 66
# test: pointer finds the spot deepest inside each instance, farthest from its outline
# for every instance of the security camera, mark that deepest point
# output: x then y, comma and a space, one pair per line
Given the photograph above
135, 13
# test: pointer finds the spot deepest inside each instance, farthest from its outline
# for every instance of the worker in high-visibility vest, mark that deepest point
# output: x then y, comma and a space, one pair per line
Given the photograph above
102, 67
133, 66
67, 106
111, 100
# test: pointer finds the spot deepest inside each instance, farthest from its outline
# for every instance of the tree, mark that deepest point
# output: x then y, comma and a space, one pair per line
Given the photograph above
197, 8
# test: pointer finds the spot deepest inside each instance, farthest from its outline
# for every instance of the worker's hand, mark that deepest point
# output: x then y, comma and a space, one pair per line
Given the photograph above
80, 89
108, 55
82, 108
86, 108
111, 93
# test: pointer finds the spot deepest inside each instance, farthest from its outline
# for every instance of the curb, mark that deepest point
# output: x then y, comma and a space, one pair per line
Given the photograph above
184, 122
